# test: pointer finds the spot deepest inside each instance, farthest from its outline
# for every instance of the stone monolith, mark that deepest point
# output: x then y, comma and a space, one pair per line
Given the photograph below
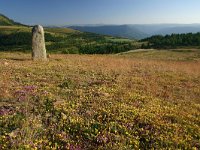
38, 43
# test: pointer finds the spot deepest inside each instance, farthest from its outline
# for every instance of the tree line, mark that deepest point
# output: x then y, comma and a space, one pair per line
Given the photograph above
172, 41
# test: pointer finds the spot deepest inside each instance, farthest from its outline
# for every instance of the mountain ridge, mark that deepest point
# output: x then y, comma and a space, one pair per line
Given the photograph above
114, 30
139, 31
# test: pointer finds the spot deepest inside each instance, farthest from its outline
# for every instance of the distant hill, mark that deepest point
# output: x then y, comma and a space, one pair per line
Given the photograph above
139, 31
5, 21
179, 30
125, 31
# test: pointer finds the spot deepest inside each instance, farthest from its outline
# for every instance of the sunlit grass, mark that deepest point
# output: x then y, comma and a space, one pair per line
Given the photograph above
173, 54
61, 30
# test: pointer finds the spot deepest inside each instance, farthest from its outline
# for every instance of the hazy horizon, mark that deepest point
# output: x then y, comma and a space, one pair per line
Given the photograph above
104, 12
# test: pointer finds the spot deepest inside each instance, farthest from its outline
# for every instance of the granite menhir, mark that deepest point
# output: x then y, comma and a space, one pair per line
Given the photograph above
38, 43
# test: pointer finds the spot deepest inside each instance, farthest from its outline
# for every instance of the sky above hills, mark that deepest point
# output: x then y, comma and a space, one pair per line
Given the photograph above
68, 12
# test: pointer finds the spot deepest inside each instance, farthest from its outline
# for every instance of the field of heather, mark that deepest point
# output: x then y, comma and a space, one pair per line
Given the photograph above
139, 100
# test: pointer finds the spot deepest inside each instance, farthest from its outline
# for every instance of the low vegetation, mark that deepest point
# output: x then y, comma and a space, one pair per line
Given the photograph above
100, 101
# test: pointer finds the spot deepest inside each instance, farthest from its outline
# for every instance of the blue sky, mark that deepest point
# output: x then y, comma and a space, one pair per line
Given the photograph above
65, 12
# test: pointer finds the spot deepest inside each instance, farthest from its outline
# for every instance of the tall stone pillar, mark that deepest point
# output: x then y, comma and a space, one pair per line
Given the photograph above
38, 43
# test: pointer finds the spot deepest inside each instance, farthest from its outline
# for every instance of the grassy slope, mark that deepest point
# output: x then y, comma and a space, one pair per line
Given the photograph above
58, 40
28, 29
5, 21
13, 29
60, 30
105, 101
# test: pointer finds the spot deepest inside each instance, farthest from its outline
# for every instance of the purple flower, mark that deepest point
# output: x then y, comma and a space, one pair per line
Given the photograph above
103, 139
74, 147
6, 110
26, 91
30, 88
21, 95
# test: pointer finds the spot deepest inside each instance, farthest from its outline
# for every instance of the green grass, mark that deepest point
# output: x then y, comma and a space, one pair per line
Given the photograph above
114, 39
5, 21
13, 29
61, 30
100, 101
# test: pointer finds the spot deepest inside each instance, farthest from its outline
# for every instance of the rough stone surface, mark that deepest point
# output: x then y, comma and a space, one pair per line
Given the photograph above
38, 43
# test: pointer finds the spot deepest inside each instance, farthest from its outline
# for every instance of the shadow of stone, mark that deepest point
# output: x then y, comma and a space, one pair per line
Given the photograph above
19, 59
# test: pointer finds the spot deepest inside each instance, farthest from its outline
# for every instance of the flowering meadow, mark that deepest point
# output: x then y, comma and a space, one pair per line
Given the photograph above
80, 102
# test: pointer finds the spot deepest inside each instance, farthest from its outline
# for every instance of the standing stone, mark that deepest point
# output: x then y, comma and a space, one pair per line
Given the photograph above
38, 43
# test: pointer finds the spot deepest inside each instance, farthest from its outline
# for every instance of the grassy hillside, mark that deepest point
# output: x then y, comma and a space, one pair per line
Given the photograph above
63, 40
100, 101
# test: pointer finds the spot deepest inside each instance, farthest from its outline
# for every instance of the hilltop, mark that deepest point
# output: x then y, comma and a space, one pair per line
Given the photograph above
5, 21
